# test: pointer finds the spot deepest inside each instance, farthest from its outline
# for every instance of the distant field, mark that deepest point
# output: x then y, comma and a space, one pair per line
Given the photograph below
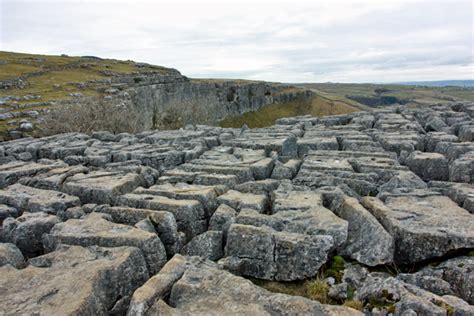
381, 95
266, 116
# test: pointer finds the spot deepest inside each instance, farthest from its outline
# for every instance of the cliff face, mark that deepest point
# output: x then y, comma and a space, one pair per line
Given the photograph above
206, 101
160, 95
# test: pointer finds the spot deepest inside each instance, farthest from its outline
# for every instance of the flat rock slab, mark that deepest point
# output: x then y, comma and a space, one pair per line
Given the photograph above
288, 200
13, 171
101, 186
199, 287
164, 223
418, 221
73, 281
239, 201
205, 194
314, 221
30, 199
95, 230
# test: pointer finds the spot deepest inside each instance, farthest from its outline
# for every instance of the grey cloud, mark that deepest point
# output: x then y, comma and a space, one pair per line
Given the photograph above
277, 40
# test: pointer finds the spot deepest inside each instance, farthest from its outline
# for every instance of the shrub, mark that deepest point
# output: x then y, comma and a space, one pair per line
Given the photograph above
92, 115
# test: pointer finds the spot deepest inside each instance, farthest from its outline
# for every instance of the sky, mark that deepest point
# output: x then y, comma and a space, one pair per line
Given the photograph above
285, 41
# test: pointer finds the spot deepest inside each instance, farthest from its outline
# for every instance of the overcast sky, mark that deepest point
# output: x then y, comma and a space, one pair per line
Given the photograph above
288, 41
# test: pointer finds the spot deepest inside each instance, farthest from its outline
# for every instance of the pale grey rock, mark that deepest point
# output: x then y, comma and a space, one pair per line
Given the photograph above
190, 216
415, 221
102, 187
264, 253
146, 225
403, 182
314, 221
428, 166
206, 195
73, 281
462, 169
208, 245
239, 201
157, 287
95, 230
258, 187
164, 223
199, 287
13, 171
28, 199
452, 277
287, 170
367, 240
222, 218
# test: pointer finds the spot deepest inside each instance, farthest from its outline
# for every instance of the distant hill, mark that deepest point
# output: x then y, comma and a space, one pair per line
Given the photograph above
375, 95
441, 83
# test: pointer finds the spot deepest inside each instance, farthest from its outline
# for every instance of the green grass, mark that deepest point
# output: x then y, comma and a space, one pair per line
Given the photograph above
41, 72
414, 95
266, 116
56, 77
316, 289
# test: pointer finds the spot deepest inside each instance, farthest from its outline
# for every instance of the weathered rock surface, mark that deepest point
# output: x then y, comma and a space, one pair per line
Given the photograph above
24, 198
429, 166
10, 254
208, 245
95, 230
73, 281
393, 186
416, 221
195, 286
368, 242
264, 253
26, 232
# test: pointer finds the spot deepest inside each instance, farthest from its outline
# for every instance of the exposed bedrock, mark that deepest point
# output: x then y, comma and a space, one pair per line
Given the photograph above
174, 222
200, 101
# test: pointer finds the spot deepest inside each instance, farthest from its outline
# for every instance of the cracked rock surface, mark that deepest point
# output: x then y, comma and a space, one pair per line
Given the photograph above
177, 222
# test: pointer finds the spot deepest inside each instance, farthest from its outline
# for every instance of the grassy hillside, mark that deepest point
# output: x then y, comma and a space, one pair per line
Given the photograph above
56, 77
319, 105
33, 83
380, 95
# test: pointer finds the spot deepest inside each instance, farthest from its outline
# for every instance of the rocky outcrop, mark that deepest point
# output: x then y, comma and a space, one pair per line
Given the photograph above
195, 286
94, 229
207, 101
73, 280
187, 215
